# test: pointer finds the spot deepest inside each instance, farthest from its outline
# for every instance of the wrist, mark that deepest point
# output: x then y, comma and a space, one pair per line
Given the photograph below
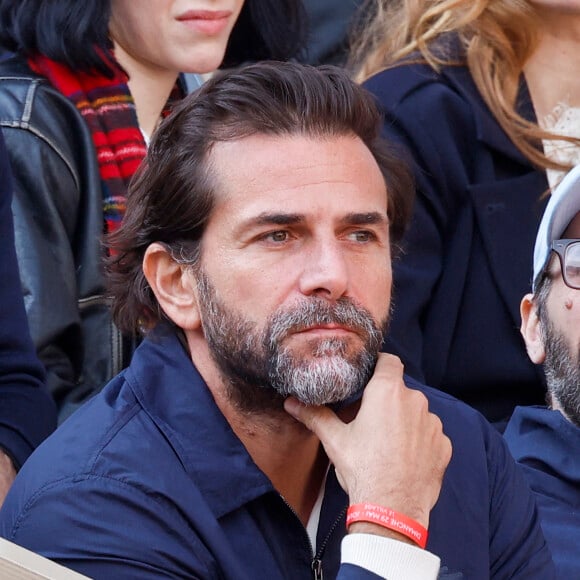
399, 503
369, 518
376, 530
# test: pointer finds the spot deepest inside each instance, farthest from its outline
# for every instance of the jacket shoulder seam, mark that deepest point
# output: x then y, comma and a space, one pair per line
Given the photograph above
27, 126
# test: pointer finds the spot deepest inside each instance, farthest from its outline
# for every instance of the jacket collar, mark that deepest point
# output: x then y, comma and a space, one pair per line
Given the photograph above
488, 130
176, 398
543, 439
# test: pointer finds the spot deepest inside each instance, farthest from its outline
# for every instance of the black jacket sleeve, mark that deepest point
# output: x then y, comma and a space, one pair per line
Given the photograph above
58, 225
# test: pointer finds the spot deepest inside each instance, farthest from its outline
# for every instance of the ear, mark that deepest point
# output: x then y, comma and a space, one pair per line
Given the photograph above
173, 285
531, 330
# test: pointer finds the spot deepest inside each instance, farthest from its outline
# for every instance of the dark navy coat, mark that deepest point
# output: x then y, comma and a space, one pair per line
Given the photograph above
467, 256
548, 448
27, 412
148, 480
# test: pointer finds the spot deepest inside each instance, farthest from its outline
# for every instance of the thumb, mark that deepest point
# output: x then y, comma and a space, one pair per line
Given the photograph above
322, 421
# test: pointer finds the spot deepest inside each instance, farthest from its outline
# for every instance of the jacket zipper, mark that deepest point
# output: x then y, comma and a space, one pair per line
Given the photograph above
317, 569
317, 561
116, 349
92, 300
316, 564
117, 354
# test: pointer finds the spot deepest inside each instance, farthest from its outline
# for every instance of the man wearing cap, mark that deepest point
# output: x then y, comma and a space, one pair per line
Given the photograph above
546, 441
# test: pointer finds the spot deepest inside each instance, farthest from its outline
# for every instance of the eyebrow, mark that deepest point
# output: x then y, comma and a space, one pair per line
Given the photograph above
279, 219
366, 218
284, 219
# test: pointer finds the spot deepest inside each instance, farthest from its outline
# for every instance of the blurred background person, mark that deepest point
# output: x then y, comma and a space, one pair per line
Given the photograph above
484, 96
329, 25
27, 412
545, 441
88, 85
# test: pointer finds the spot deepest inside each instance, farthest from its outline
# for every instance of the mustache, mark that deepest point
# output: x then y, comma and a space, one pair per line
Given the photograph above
317, 311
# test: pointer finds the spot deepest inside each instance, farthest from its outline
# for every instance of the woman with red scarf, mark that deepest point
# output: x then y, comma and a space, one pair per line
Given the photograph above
86, 86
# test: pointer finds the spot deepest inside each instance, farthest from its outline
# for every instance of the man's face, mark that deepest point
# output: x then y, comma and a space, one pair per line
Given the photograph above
295, 278
560, 328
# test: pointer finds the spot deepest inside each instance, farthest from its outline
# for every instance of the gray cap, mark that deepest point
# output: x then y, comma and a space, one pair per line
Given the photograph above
563, 206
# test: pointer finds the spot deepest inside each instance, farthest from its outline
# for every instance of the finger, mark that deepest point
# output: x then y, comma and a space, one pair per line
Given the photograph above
387, 379
322, 421
389, 365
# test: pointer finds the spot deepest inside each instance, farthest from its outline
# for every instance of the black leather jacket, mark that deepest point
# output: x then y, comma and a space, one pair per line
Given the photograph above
58, 220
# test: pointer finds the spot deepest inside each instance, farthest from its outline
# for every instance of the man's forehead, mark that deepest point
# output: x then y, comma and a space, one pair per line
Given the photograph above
283, 162
276, 151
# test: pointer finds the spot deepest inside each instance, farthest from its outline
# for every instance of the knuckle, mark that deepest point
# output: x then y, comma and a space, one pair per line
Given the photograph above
419, 400
389, 364
448, 448
437, 424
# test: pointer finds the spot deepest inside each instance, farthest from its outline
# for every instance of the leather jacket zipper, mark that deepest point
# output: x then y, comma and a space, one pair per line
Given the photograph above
117, 350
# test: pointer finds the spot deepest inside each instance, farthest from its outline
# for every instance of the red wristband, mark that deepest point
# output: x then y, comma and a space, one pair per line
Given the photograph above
387, 518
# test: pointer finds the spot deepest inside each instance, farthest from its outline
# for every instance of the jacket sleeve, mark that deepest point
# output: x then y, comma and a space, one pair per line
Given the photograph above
46, 206
27, 412
363, 554
432, 126
150, 540
105, 528
518, 549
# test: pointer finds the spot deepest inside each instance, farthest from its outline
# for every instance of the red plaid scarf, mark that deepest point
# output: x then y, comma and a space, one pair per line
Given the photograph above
109, 111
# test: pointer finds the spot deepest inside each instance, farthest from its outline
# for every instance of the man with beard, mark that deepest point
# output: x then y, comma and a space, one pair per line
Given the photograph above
546, 441
256, 257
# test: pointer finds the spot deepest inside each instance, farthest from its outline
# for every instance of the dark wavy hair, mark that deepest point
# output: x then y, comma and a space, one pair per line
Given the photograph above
172, 195
73, 32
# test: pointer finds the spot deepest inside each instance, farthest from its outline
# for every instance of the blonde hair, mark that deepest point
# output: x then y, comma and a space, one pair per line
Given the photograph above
497, 38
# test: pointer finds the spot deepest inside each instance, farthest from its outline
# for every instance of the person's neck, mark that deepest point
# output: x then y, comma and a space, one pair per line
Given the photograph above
150, 88
552, 70
290, 455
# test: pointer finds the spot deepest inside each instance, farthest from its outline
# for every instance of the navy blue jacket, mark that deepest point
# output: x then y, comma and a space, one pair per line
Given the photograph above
27, 413
148, 480
547, 446
467, 256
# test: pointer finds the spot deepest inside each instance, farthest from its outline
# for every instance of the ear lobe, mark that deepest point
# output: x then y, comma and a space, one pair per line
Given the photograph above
173, 285
531, 330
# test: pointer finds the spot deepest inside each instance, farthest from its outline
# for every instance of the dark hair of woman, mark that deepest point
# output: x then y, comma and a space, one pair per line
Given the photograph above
74, 33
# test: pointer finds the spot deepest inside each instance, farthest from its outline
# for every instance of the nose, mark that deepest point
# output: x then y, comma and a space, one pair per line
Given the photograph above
325, 272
